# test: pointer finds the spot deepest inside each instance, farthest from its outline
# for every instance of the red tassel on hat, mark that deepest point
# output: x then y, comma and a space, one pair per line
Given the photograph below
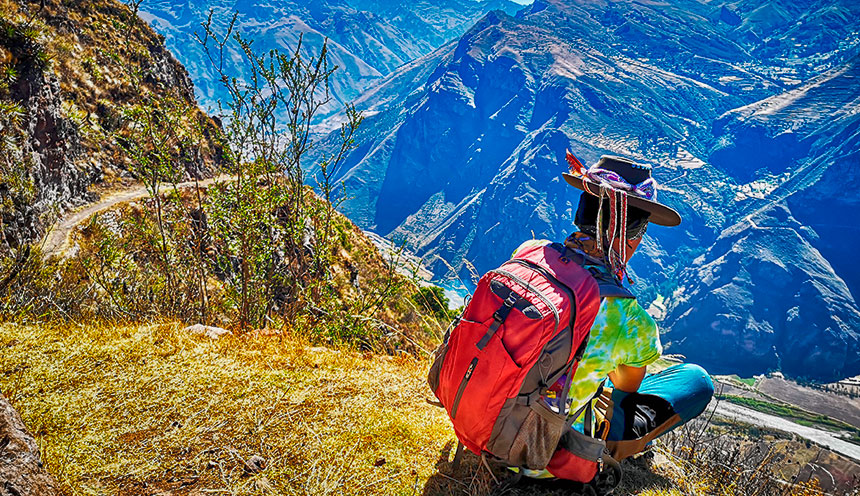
575, 165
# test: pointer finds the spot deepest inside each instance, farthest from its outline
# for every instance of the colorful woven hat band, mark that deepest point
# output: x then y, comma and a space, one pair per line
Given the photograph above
610, 184
647, 189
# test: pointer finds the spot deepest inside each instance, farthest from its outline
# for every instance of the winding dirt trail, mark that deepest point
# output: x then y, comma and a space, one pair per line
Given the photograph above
57, 239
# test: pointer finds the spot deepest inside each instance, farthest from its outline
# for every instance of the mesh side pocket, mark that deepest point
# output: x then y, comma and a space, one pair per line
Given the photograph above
537, 438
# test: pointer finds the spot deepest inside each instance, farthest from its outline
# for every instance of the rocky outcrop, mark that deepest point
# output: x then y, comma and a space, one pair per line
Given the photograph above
70, 93
21, 469
49, 145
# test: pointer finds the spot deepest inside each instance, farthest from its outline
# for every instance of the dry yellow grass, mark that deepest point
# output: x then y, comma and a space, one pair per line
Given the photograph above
151, 410
154, 410
659, 492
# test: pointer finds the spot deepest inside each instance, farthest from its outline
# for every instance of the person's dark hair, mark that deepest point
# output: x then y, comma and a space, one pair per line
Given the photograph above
586, 217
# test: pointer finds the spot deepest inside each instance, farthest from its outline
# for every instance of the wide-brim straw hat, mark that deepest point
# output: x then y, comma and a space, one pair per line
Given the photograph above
633, 174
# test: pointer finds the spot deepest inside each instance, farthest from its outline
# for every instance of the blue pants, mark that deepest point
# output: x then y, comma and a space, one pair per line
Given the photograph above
664, 401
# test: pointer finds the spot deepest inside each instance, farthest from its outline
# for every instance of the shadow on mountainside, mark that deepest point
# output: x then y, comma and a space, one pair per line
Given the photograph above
473, 478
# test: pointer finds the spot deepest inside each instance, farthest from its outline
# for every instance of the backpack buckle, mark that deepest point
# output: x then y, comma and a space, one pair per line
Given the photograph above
502, 313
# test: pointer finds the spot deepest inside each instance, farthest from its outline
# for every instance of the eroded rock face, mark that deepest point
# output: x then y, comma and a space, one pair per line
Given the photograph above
62, 143
52, 146
21, 469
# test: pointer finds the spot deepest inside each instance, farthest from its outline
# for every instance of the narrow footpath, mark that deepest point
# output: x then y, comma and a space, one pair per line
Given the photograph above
56, 241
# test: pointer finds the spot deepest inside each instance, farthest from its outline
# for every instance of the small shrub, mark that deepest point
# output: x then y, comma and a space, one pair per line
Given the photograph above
432, 299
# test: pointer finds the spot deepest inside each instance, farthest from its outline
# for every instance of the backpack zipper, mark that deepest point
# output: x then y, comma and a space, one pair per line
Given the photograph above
531, 288
459, 396
551, 278
577, 357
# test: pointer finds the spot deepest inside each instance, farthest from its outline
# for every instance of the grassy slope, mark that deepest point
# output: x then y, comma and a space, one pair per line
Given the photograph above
129, 410
154, 410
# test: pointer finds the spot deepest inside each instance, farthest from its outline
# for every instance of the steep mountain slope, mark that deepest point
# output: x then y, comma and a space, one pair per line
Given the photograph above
741, 47
798, 276
810, 138
63, 91
462, 151
367, 38
763, 298
490, 124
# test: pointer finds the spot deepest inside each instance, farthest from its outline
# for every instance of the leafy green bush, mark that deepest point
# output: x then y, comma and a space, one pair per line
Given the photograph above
432, 299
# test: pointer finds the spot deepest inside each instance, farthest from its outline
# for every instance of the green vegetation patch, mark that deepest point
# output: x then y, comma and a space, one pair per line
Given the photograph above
749, 381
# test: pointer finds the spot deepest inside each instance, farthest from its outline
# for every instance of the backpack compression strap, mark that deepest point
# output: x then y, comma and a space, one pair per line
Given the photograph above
499, 317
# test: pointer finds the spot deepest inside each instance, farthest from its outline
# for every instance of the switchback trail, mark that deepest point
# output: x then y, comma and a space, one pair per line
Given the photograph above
57, 239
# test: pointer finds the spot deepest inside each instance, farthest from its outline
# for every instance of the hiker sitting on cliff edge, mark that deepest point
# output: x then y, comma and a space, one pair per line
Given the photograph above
520, 371
624, 338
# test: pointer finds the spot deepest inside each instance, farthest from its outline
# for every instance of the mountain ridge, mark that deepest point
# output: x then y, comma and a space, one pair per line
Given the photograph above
367, 39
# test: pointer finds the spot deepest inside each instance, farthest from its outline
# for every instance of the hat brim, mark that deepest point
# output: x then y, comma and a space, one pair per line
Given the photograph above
660, 214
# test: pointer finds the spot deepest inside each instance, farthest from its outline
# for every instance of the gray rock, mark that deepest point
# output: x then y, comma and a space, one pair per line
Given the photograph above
208, 331
21, 470
255, 464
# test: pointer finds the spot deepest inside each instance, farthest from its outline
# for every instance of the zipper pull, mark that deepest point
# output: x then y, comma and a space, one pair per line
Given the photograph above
470, 370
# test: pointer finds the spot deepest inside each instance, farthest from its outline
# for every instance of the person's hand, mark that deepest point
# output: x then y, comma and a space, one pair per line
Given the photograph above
627, 379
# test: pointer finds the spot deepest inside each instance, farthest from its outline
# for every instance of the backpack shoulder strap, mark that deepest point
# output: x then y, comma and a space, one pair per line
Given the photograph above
606, 283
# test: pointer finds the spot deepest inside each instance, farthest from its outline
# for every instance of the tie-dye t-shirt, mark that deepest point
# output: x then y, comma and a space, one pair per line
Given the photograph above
623, 334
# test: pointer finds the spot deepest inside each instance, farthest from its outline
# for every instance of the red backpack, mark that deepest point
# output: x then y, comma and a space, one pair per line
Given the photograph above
521, 336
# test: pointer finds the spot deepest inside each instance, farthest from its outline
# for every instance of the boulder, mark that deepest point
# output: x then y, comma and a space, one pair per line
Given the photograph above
208, 331
21, 469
